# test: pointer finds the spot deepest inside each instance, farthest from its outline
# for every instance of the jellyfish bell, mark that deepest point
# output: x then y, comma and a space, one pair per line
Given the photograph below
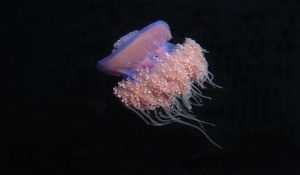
162, 80
137, 48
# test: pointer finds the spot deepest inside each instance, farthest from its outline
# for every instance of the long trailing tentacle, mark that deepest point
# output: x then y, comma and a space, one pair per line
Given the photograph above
209, 80
198, 128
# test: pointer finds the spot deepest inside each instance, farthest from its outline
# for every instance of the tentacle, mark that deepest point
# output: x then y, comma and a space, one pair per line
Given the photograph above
198, 128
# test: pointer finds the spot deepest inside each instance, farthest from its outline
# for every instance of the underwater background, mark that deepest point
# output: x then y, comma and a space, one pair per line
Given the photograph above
60, 116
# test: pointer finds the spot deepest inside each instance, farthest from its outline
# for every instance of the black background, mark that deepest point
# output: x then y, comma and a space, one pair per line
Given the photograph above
61, 117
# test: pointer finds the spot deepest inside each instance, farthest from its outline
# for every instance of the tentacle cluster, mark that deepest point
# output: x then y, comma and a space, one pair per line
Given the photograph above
165, 93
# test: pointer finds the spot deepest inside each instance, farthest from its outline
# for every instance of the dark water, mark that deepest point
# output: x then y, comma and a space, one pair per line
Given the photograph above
60, 115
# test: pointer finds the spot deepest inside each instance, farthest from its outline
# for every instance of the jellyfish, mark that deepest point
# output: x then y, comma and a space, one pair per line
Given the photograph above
161, 81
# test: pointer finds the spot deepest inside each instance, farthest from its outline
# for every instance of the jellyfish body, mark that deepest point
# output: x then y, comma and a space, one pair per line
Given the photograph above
162, 81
